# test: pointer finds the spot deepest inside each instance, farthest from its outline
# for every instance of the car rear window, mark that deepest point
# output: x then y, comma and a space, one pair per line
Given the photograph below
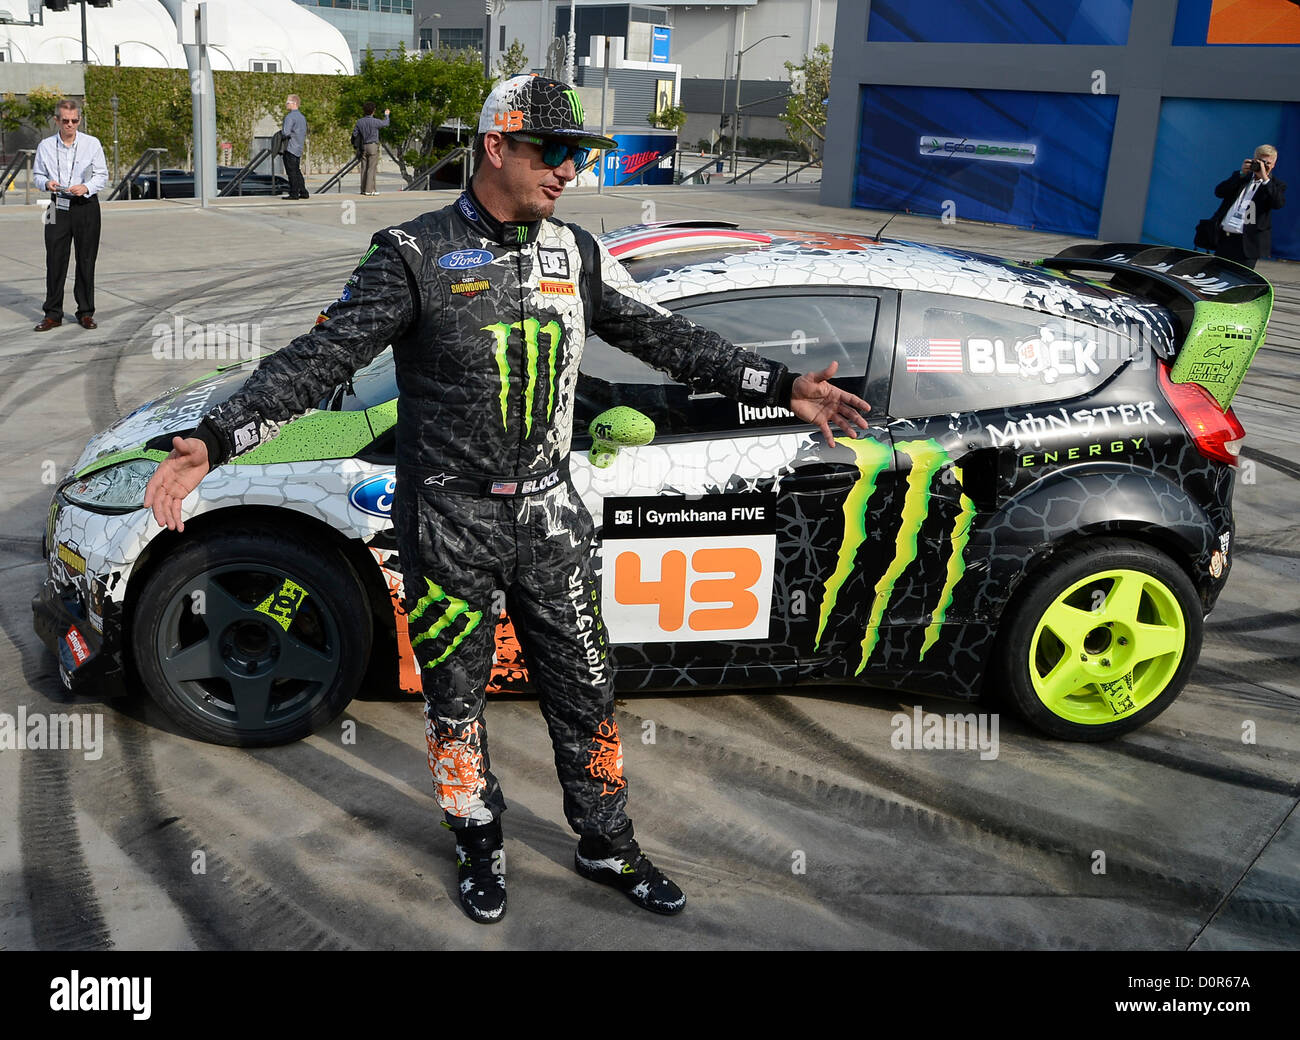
956, 354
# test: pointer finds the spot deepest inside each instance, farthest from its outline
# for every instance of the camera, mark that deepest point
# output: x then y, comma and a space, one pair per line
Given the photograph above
1256, 166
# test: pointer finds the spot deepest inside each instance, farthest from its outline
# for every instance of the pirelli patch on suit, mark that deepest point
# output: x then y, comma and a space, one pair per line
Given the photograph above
550, 288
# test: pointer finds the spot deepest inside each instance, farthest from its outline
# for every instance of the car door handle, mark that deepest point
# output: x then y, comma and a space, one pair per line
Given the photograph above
833, 480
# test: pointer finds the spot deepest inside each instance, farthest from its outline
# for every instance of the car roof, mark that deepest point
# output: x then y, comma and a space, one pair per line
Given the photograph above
678, 259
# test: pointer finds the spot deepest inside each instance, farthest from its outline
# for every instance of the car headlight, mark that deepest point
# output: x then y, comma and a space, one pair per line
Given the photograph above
117, 489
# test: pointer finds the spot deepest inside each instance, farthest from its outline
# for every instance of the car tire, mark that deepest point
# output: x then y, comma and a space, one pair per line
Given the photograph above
252, 637
1101, 641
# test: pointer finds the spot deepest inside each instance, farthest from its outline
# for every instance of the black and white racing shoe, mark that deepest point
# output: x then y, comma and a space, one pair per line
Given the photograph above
617, 860
481, 867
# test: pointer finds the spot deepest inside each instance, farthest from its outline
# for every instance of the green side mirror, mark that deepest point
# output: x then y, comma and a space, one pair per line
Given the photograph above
615, 428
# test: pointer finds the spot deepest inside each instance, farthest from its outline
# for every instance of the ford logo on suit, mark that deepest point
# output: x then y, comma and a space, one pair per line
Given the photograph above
463, 258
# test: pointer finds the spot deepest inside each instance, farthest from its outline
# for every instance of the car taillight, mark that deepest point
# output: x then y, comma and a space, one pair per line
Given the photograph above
1217, 434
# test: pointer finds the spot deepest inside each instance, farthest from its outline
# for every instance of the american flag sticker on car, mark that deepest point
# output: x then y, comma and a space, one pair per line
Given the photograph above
933, 355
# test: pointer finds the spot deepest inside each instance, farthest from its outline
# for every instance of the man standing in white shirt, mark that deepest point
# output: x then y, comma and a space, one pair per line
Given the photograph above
1244, 218
71, 166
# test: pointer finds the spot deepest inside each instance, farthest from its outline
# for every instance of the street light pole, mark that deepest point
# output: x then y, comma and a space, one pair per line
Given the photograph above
735, 118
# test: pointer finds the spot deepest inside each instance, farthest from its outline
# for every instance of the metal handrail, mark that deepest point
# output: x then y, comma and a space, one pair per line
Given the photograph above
813, 162
721, 157
758, 166
137, 167
237, 181
22, 157
337, 179
421, 180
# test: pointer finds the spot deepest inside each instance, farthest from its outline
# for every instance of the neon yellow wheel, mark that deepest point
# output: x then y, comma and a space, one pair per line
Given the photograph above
1103, 641
1107, 646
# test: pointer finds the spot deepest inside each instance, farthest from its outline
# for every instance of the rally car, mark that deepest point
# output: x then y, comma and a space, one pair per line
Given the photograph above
1040, 510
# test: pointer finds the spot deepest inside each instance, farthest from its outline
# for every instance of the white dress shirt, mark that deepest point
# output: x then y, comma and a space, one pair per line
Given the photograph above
1234, 220
81, 162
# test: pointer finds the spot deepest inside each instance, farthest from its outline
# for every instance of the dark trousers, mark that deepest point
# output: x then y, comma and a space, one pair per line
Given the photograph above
1230, 248
293, 170
456, 551
77, 226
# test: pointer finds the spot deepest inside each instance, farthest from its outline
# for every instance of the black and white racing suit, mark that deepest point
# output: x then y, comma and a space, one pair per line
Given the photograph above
487, 322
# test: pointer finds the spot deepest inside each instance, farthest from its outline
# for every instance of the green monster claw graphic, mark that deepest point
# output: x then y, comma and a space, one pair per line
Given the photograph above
501, 332
362, 261
927, 457
872, 458
575, 105
532, 331
956, 568
455, 608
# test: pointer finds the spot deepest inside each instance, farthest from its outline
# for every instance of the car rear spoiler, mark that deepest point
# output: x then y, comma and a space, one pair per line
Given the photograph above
1220, 308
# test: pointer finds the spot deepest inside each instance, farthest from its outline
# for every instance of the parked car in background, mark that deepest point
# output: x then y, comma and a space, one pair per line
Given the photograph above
179, 184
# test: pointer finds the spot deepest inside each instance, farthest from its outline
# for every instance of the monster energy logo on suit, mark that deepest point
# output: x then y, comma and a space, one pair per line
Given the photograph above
454, 609
532, 331
928, 458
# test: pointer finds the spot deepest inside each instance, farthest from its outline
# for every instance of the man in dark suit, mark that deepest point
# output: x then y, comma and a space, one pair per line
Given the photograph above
1244, 218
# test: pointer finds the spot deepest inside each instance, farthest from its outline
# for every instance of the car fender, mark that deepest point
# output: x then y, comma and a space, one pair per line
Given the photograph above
1075, 501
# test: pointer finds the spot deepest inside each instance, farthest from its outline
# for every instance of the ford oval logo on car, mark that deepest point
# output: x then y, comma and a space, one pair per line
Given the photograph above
375, 496
464, 258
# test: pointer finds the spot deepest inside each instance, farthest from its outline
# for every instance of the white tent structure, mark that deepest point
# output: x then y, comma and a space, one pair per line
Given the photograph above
274, 35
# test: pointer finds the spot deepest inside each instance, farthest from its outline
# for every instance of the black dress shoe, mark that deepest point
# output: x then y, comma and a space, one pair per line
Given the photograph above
48, 323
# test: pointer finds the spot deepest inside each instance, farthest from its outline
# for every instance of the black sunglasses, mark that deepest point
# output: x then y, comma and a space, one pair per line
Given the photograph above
555, 151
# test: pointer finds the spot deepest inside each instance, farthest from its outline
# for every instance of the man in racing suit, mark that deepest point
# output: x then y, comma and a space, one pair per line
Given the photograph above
487, 304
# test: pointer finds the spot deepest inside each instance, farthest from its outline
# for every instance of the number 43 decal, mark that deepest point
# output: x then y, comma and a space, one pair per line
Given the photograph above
660, 590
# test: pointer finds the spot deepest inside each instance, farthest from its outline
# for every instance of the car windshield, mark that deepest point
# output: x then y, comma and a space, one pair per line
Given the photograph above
372, 385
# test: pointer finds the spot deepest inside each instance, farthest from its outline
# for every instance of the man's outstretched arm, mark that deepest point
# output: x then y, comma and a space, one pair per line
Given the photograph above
379, 303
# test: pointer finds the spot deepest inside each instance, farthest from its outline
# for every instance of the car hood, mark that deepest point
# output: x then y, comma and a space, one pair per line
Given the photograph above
173, 412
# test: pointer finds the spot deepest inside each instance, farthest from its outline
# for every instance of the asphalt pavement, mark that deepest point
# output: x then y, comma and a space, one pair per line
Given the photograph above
788, 817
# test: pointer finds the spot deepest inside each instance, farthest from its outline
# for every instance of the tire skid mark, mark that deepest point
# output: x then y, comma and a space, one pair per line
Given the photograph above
1232, 686
965, 820
229, 907
60, 889
892, 907
1253, 623
1223, 774
1280, 667
1275, 462
101, 380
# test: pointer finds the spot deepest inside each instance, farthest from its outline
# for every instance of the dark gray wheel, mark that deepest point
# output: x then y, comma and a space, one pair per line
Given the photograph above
251, 638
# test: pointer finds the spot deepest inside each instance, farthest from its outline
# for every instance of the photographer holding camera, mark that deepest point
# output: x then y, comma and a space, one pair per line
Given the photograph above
1243, 219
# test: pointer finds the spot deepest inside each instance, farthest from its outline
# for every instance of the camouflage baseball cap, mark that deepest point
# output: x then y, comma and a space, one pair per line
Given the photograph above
536, 105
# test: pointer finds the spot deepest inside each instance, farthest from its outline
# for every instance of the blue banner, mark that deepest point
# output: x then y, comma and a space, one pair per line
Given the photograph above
1000, 21
1198, 144
661, 43
1035, 160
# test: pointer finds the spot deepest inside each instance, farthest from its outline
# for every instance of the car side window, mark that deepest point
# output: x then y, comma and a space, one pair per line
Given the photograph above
957, 355
805, 332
